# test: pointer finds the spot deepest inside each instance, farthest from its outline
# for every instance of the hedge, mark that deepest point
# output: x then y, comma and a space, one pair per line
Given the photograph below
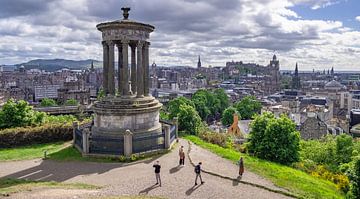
47, 133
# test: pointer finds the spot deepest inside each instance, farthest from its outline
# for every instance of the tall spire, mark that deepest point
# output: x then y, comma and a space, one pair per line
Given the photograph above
199, 63
296, 70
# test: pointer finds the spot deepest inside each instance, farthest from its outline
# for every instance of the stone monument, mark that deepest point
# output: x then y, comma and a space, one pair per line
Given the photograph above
128, 111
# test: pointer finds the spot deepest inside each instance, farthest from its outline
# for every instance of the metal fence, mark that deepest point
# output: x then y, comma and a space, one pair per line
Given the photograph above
78, 138
148, 143
106, 145
172, 133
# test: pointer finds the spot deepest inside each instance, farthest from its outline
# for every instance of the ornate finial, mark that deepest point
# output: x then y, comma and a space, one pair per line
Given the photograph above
125, 12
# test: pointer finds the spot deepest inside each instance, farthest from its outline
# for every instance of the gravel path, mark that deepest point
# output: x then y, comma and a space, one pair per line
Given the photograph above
138, 178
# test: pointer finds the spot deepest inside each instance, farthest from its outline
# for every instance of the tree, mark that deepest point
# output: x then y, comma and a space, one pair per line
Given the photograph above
354, 176
274, 139
101, 94
223, 99
17, 114
344, 148
228, 116
46, 102
248, 107
189, 119
71, 102
174, 106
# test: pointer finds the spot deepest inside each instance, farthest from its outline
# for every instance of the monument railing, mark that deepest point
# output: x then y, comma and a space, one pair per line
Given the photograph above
142, 143
106, 145
78, 137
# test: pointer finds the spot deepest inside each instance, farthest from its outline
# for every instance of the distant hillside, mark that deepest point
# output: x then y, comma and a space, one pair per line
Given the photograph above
56, 64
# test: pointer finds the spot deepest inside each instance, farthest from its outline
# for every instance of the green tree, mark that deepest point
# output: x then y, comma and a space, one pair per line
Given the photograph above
189, 119
71, 102
274, 139
17, 114
228, 116
223, 99
354, 176
174, 106
100, 94
344, 148
248, 107
46, 102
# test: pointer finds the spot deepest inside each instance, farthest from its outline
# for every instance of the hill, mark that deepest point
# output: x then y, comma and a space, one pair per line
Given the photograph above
56, 64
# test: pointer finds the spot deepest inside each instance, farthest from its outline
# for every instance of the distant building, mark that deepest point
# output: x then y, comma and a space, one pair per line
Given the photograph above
296, 79
313, 127
46, 91
199, 63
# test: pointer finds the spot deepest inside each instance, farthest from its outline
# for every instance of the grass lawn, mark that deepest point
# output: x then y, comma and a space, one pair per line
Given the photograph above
10, 186
30, 152
297, 182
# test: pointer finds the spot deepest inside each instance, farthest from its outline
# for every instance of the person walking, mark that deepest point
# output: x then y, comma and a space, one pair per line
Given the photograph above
157, 167
182, 156
241, 166
198, 173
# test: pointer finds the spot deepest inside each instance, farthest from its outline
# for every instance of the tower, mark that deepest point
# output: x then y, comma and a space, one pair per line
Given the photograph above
272, 83
296, 79
199, 63
332, 71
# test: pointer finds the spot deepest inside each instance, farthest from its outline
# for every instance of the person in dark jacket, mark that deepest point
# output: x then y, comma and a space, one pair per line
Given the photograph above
241, 167
157, 167
198, 173
182, 156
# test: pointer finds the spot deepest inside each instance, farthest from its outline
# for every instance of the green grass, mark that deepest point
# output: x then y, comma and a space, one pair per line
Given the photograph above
297, 182
10, 186
31, 151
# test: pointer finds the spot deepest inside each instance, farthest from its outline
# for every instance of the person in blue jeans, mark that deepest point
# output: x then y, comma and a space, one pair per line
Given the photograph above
198, 173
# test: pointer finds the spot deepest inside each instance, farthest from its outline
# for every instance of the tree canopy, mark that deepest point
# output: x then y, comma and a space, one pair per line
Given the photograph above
17, 114
174, 106
274, 139
228, 116
189, 120
248, 107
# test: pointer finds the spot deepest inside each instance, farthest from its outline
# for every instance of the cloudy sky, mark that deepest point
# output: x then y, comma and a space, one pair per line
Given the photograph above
315, 33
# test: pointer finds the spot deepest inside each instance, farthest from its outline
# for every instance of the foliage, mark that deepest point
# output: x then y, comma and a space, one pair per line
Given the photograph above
17, 114
228, 116
189, 120
354, 176
164, 115
223, 98
248, 107
215, 138
274, 139
46, 102
297, 182
71, 102
101, 94
46, 133
60, 119
344, 148
174, 106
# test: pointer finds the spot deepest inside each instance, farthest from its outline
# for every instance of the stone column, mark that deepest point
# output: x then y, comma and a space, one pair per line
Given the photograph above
140, 68
120, 68
167, 139
146, 69
133, 68
125, 63
128, 143
85, 136
105, 67
111, 70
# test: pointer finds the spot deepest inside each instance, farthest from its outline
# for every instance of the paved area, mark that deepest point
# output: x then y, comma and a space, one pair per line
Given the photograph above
138, 178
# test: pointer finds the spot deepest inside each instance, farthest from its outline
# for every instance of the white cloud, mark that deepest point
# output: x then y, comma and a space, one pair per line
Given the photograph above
236, 30
357, 18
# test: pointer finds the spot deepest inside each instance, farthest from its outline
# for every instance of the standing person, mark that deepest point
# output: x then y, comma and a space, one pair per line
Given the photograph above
198, 173
157, 167
241, 167
182, 156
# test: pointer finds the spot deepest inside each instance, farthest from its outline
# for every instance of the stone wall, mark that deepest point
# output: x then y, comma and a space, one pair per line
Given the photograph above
313, 128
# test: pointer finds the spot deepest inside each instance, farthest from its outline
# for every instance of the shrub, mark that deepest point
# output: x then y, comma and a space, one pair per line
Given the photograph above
47, 133
46, 102
227, 117
71, 102
215, 138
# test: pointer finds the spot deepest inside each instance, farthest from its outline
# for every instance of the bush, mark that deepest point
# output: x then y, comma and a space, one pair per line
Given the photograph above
189, 120
46, 102
71, 102
248, 107
227, 117
47, 133
215, 138
274, 139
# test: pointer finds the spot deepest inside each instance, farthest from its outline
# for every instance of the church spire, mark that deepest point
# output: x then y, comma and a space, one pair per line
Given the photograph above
296, 70
199, 63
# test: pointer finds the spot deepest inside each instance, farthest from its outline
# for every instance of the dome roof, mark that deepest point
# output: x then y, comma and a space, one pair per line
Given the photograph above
334, 85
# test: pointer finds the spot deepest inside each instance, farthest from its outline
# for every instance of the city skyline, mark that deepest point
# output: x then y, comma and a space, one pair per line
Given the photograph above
316, 34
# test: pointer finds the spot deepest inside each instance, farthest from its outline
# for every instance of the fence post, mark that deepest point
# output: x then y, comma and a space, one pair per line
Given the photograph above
75, 126
167, 136
128, 143
176, 123
85, 135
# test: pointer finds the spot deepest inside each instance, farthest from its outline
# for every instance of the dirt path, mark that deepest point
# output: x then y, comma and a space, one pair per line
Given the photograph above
137, 179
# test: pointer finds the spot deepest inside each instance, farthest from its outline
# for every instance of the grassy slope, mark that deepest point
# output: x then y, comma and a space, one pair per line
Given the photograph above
296, 181
30, 152
9, 186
